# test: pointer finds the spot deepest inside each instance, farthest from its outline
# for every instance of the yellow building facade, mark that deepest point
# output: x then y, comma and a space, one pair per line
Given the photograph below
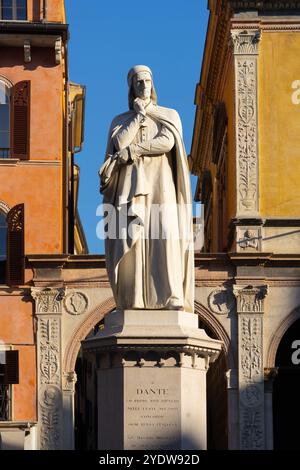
248, 115
245, 153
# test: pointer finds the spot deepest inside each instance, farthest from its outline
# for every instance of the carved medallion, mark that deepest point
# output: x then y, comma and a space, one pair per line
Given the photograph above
76, 303
221, 301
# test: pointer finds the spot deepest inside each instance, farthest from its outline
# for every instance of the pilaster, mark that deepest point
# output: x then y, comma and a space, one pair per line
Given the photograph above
245, 50
250, 309
48, 307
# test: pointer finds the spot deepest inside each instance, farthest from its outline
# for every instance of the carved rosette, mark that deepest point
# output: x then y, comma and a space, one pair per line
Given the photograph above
48, 313
250, 308
245, 45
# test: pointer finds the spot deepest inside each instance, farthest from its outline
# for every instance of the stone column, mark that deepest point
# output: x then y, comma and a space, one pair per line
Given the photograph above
270, 375
49, 380
152, 369
233, 414
69, 381
250, 309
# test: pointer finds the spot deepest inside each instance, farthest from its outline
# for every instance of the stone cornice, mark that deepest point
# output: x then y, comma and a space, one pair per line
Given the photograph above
66, 261
267, 5
211, 81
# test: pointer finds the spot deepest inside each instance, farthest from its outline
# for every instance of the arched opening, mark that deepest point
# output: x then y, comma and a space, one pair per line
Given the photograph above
85, 365
86, 409
286, 390
216, 389
217, 408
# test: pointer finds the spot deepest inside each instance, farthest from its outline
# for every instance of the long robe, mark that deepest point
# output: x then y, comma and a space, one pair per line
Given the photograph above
147, 272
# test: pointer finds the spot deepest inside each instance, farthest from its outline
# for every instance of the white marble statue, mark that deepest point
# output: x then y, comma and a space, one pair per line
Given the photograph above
145, 175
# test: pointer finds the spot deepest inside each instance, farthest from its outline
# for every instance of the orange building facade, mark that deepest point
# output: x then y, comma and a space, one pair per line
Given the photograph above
41, 115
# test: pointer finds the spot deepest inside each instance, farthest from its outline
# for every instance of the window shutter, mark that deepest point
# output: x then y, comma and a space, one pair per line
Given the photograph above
20, 120
15, 246
11, 371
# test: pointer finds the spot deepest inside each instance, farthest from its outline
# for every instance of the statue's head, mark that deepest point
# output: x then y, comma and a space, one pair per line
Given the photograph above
140, 84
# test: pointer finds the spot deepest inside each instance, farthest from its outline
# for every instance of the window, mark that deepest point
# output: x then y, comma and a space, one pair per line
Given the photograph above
3, 248
13, 10
14, 119
3, 236
12, 259
9, 374
4, 120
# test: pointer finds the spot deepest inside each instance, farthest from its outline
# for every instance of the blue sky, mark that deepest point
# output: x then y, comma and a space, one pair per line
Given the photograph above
107, 39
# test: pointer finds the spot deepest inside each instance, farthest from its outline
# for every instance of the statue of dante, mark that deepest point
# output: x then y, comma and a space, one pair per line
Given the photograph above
145, 175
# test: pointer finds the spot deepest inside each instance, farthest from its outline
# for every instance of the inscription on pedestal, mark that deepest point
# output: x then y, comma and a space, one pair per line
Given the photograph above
152, 416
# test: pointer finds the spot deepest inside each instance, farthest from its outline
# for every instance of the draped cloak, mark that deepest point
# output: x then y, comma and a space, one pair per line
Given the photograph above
146, 273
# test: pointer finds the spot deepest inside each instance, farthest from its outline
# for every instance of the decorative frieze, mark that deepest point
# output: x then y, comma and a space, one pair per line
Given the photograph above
245, 45
193, 357
250, 309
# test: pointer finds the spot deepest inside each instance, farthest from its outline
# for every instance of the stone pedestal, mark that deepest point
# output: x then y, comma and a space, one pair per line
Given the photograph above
152, 369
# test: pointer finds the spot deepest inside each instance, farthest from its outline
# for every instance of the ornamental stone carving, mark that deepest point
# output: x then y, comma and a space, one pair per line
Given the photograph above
245, 45
250, 309
221, 301
47, 300
246, 42
69, 381
249, 240
49, 350
48, 313
250, 299
50, 405
76, 303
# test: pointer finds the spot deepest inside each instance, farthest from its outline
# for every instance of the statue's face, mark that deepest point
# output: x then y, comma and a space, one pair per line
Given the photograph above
142, 85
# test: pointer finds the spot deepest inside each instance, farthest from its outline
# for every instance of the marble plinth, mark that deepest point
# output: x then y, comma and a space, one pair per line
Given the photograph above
151, 390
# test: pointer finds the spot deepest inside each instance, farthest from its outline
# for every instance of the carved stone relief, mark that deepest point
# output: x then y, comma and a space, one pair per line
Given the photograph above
47, 300
221, 301
50, 405
76, 303
246, 50
48, 314
249, 239
69, 381
250, 308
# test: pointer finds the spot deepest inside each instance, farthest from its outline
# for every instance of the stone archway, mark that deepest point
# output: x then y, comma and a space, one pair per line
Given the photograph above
81, 333
278, 335
69, 362
284, 355
217, 393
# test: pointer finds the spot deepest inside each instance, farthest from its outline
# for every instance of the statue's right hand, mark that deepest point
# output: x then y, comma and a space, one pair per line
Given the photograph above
139, 107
